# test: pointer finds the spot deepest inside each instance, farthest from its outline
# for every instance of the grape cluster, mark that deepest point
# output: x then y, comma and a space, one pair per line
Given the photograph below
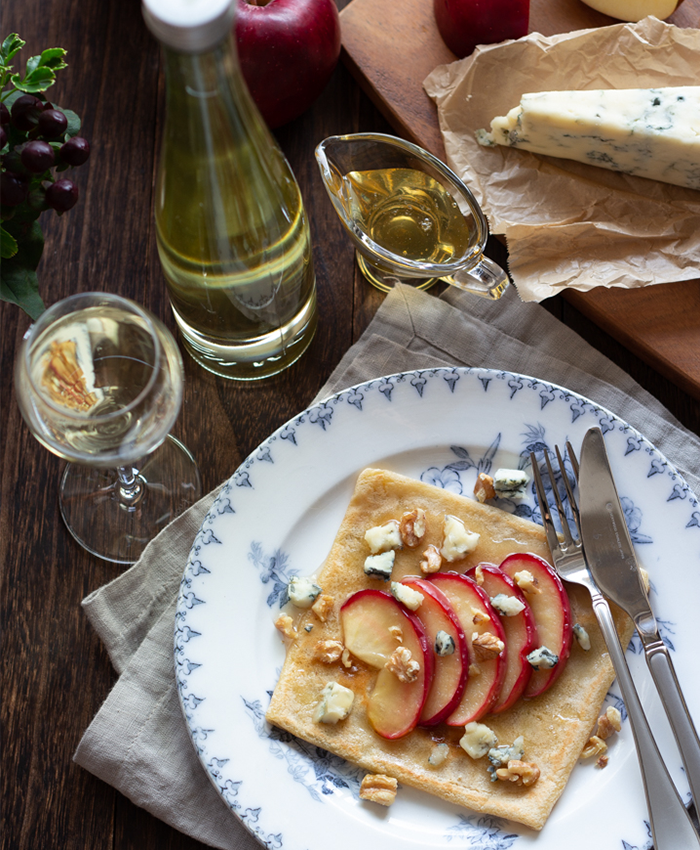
34, 138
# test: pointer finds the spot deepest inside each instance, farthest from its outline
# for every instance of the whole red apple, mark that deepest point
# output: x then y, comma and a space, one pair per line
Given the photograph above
465, 23
288, 50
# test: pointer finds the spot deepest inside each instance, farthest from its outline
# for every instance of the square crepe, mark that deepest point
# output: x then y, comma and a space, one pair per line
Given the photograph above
555, 726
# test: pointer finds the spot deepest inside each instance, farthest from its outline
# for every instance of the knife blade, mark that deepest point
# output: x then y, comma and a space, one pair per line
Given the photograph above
613, 563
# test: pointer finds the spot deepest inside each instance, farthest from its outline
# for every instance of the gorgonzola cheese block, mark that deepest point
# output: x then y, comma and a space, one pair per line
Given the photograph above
652, 133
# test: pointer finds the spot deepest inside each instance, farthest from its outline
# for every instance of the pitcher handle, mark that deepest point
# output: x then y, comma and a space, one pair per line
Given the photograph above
486, 279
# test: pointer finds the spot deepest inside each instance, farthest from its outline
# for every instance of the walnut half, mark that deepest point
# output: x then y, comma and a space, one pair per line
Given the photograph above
378, 788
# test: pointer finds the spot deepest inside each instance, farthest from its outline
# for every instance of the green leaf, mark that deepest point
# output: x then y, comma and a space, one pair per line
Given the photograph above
73, 127
53, 58
37, 81
20, 286
10, 46
8, 244
18, 280
33, 63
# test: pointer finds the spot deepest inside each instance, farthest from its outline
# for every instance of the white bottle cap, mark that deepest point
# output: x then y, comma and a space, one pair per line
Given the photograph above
191, 26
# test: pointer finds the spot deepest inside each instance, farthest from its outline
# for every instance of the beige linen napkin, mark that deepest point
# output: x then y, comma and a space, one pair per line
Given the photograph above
138, 741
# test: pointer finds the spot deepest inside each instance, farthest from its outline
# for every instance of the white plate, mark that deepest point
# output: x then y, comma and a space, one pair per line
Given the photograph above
277, 516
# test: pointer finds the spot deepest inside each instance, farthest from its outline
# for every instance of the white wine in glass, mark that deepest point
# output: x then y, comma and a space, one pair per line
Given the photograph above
99, 382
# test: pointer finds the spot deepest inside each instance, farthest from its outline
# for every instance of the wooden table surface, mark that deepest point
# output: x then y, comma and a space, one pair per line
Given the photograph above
55, 673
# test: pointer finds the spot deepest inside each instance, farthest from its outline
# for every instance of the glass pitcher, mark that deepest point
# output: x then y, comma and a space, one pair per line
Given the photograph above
410, 217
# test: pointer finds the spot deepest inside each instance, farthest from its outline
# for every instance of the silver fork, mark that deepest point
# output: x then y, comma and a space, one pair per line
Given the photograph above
671, 826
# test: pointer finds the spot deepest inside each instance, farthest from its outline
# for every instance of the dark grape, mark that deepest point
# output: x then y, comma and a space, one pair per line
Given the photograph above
12, 161
52, 123
12, 190
62, 195
5, 117
75, 151
3, 137
25, 112
37, 156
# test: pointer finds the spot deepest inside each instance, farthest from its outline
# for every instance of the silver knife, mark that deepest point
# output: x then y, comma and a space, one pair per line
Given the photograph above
612, 561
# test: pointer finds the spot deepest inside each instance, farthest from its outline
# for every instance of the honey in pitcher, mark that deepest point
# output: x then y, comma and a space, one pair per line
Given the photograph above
409, 213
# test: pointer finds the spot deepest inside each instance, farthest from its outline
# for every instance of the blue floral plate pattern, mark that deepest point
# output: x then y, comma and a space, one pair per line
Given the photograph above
277, 517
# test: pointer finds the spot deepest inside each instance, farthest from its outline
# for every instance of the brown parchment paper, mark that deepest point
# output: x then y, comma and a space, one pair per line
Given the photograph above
568, 224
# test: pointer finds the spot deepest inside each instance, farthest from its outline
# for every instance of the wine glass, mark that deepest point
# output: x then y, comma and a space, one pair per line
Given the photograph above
99, 382
410, 217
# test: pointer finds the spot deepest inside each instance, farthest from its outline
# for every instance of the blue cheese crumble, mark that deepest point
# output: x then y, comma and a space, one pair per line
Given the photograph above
384, 537
478, 740
510, 483
409, 597
302, 592
334, 704
500, 756
444, 643
380, 566
542, 658
582, 637
457, 541
508, 606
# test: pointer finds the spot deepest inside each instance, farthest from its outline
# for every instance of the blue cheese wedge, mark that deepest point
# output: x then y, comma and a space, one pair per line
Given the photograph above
653, 133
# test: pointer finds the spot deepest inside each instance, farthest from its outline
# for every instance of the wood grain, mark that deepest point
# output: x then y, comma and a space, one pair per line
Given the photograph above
391, 46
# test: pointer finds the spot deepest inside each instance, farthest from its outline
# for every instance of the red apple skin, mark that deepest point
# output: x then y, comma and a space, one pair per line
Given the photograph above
481, 691
288, 50
552, 612
394, 707
450, 672
465, 23
520, 635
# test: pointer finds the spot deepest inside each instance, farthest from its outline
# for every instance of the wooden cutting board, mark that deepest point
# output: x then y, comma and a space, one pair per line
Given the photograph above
390, 47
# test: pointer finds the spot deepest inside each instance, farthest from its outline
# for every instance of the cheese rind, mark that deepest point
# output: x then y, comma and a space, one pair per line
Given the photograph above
653, 133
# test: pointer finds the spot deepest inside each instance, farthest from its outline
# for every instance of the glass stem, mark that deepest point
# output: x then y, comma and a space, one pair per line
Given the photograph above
131, 489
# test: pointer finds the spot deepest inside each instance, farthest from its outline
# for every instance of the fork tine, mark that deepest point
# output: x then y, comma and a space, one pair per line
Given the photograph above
550, 530
567, 484
568, 539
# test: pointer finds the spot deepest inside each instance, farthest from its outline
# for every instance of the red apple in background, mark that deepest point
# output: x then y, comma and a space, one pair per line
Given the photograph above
288, 50
465, 23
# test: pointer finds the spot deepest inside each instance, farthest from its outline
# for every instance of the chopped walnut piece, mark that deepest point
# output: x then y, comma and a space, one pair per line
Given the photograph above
609, 723
474, 670
527, 582
486, 646
328, 651
402, 664
483, 489
595, 746
602, 762
480, 617
378, 788
285, 624
412, 527
432, 560
346, 658
479, 574
519, 772
323, 606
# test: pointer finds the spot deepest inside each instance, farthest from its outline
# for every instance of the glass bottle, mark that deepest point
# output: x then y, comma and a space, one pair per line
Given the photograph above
232, 233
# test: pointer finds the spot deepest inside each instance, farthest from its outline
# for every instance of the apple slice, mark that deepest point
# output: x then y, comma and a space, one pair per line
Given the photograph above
520, 634
374, 626
473, 609
551, 609
450, 669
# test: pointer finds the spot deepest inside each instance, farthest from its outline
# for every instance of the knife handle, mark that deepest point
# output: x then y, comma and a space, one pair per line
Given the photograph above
664, 676
671, 826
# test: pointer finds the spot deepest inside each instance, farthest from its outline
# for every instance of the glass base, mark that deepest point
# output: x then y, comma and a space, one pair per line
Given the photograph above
96, 517
259, 358
386, 282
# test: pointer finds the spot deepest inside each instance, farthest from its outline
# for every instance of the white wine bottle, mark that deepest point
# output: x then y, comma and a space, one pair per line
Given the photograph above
232, 233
